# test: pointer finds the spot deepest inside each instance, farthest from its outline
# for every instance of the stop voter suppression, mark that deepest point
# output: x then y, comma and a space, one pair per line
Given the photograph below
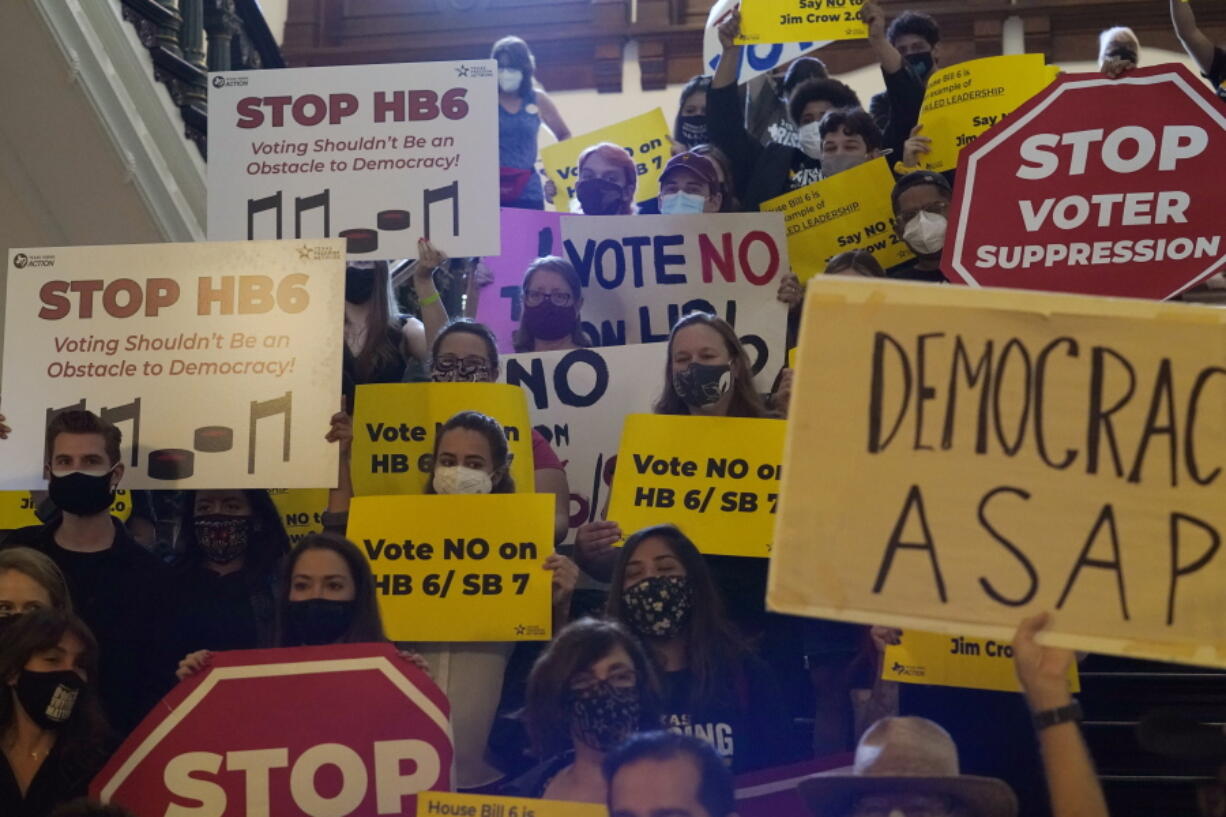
1106, 210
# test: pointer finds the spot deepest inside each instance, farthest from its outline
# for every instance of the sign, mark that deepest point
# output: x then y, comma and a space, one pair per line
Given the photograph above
394, 431
644, 138
956, 661
221, 363
789, 21
958, 459
460, 567
277, 753
577, 400
379, 155
716, 478
966, 99
301, 510
1128, 205
487, 805
526, 236
848, 211
639, 276
772, 792
753, 60
17, 508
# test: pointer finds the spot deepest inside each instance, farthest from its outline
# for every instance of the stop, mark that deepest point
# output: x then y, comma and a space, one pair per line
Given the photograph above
331, 731
1096, 186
